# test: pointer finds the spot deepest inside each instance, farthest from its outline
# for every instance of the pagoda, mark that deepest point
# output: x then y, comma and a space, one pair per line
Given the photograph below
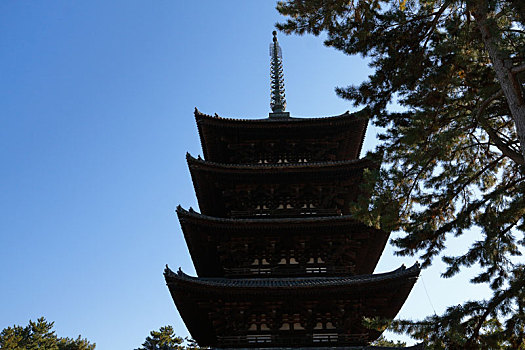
281, 262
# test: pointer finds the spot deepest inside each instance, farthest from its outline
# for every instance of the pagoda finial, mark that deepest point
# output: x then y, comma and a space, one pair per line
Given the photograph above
278, 100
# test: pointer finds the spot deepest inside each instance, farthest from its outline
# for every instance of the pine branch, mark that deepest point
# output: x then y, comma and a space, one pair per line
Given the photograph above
493, 304
414, 183
408, 21
463, 185
432, 27
498, 142
434, 245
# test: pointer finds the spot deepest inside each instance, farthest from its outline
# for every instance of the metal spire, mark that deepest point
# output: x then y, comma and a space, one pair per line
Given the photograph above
278, 100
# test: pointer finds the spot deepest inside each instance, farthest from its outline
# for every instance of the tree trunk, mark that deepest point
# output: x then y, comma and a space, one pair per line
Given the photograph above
511, 87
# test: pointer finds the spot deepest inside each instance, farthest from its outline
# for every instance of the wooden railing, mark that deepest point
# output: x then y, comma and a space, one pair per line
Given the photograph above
304, 271
299, 212
273, 340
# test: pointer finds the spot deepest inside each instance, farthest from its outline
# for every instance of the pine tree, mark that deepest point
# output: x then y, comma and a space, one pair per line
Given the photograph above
165, 339
39, 335
453, 157
382, 341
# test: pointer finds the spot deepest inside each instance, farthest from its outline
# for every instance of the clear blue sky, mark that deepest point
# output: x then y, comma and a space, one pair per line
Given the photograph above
96, 108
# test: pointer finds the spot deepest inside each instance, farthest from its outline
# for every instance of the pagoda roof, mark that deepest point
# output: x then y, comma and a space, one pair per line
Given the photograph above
268, 223
204, 234
292, 285
279, 122
348, 127
314, 167
210, 307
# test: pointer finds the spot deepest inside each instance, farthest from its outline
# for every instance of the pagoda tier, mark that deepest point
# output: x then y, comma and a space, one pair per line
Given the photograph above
327, 246
281, 312
282, 140
278, 190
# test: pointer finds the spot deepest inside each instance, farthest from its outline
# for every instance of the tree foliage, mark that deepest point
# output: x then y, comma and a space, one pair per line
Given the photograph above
165, 339
382, 341
39, 335
453, 154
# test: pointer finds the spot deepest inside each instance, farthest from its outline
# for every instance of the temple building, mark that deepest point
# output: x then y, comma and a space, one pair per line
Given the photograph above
281, 261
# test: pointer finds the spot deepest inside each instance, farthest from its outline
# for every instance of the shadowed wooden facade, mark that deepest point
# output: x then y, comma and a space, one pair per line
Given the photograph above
285, 190
281, 261
281, 140
280, 312
328, 246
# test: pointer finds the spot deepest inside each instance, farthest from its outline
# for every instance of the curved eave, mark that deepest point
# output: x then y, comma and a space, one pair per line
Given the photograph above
215, 125
312, 167
291, 286
266, 223
277, 122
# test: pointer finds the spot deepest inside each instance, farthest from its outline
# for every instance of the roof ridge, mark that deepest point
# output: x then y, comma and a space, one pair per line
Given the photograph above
361, 114
191, 159
292, 281
193, 213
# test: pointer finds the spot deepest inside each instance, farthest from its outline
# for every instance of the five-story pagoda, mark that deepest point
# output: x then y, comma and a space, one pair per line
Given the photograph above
280, 261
